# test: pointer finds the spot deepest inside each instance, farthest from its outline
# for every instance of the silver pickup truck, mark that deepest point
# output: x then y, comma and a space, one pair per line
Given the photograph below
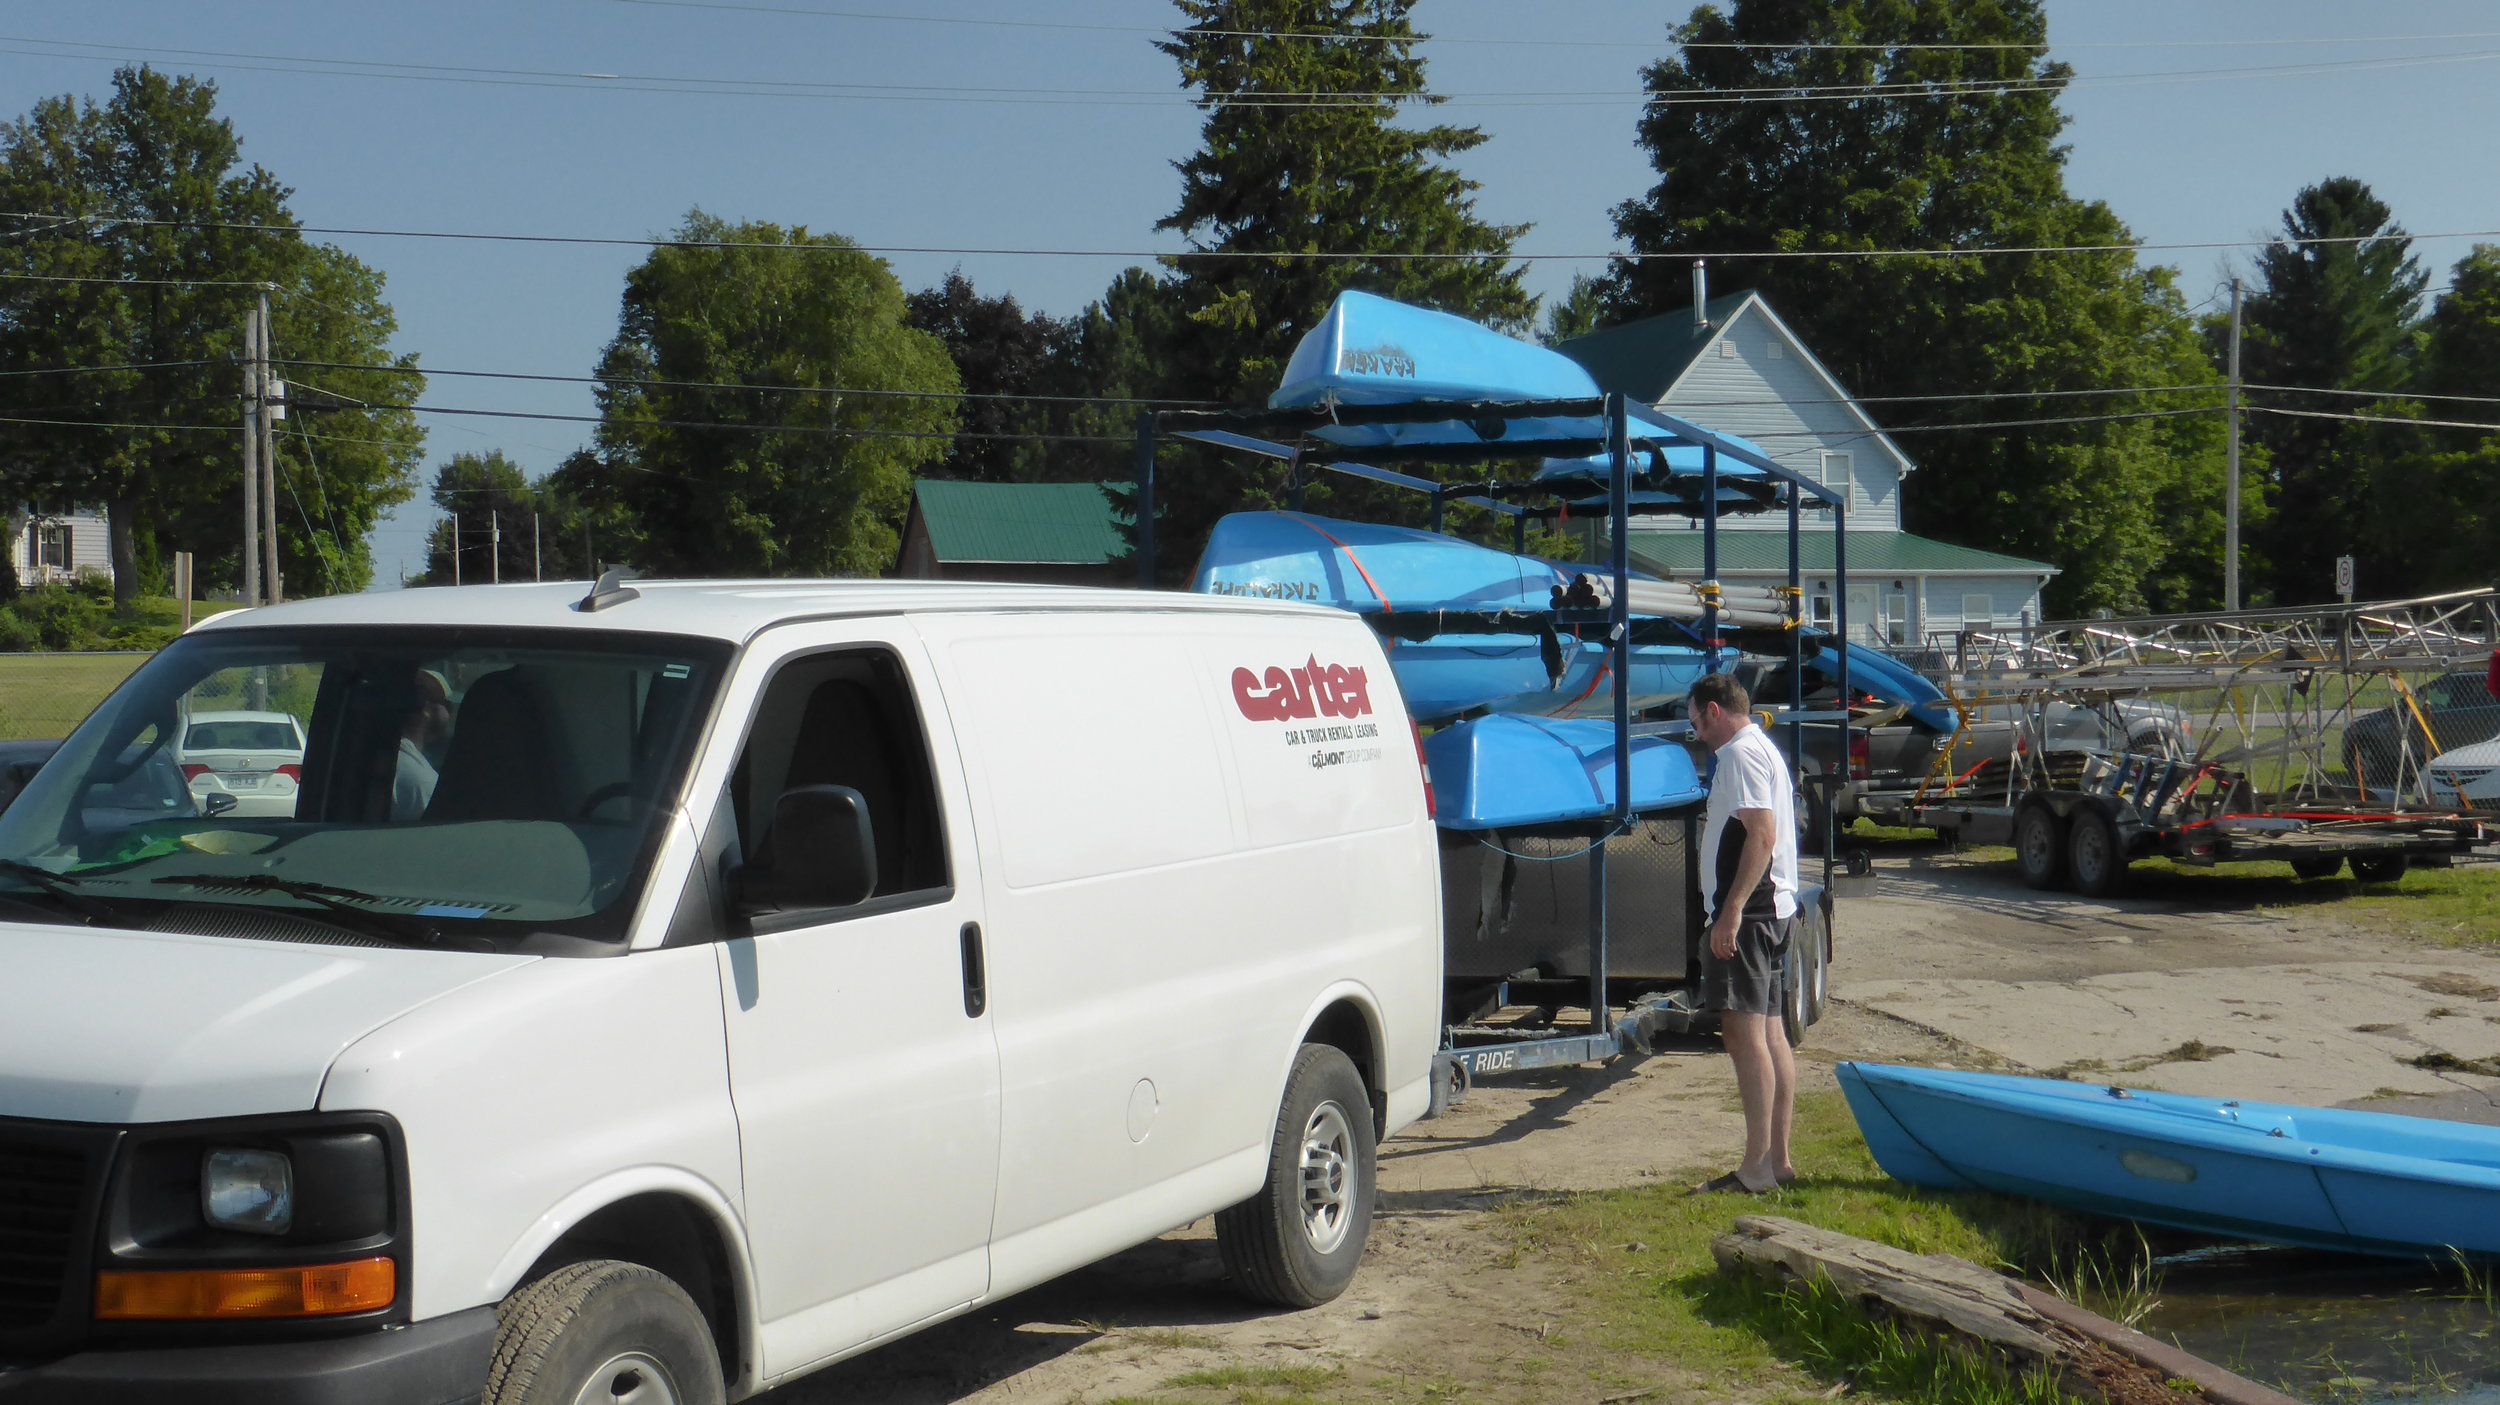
1893, 759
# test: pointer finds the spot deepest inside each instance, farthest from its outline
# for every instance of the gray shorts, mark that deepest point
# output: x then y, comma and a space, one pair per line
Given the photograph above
1752, 982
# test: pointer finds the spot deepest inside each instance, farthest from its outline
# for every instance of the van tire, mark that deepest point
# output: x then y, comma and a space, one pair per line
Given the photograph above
1284, 1246
623, 1321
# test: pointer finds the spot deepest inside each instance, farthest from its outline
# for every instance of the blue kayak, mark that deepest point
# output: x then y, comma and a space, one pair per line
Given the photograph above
1880, 674
1505, 772
1374, 569
2321, 1178
1371, 350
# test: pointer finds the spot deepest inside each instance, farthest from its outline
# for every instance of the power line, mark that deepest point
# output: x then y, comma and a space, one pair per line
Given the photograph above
94, 370
342, 231
833, 390
2376, 394
2370, 419
1808, 45
150, 282
965, 93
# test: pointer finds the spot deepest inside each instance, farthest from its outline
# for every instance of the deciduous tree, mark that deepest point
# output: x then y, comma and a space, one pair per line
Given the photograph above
765, 404
132, 283
1933, 125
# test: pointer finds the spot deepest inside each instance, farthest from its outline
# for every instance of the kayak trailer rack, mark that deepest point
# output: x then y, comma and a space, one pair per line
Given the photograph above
1630, 475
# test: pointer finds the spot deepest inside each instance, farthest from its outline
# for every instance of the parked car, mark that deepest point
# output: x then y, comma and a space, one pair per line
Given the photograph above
19, 760
2387, 748
774, 970
2468, 777
256, 757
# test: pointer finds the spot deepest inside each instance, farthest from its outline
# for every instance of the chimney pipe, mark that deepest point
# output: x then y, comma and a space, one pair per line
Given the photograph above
1701, 294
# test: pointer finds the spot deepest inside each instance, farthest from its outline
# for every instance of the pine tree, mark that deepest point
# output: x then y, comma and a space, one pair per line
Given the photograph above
1301, 154
2330, 316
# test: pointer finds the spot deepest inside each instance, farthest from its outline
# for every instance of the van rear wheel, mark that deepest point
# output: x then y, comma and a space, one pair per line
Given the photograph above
603, 1333
1297, 1242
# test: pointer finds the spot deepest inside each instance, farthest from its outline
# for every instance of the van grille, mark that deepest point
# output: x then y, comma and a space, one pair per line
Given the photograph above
43, 1190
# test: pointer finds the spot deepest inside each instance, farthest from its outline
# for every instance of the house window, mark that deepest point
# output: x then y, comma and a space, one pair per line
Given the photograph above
52, 545
1897, 618
1822, 605
1979, 612
1835, 471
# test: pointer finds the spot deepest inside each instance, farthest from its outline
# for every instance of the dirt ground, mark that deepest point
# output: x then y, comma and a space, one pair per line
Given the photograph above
1947, 961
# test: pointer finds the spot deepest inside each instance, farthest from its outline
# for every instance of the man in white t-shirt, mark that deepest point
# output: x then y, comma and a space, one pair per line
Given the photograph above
1749, 891
412, 778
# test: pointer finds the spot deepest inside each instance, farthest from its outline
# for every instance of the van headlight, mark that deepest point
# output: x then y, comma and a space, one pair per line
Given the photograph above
248, 1190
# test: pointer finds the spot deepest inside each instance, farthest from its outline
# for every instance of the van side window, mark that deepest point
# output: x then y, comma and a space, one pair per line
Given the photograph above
846, 719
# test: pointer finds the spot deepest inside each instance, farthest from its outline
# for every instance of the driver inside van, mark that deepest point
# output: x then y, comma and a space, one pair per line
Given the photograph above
420, 741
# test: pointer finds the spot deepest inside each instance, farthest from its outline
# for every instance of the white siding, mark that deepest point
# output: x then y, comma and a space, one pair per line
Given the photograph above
1784, 404
2009, 597
90, 547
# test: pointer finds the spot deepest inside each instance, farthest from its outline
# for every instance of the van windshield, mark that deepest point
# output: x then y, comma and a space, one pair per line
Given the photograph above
415, 786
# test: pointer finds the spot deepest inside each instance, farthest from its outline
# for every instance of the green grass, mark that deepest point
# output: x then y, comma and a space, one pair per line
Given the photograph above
1658, 1292
45, 695
2454, 906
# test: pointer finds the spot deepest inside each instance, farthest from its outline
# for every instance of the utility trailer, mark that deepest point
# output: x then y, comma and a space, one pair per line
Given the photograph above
2269, 759
1588, 950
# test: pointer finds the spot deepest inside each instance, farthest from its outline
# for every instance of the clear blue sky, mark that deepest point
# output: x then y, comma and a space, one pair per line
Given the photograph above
2169, 125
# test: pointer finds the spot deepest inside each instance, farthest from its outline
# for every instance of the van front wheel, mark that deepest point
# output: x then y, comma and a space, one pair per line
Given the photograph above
1296, 1243
603, 1333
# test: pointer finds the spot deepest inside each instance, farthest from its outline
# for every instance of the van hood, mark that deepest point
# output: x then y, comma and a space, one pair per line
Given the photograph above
103, 1025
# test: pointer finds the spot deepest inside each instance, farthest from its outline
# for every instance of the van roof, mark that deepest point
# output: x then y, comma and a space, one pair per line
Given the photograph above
717, 609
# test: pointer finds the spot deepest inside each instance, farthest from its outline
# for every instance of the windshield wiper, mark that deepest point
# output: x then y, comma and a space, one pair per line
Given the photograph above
389, 926
61, 888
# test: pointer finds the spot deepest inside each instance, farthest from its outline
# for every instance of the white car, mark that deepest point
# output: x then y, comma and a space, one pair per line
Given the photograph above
255, 757
2468, 777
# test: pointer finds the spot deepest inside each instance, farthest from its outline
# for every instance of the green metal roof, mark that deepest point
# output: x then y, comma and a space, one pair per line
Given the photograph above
1678, 554
1070, 523
1643, 358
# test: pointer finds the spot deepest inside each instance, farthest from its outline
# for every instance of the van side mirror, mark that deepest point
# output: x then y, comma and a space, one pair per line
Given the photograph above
822, 853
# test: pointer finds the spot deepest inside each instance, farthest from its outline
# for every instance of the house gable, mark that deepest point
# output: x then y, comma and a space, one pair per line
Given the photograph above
1746, 373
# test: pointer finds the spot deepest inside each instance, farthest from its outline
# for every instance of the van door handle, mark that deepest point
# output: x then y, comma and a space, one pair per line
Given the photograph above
976, 975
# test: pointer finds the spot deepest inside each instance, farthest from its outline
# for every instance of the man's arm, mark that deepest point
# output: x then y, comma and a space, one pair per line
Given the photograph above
1761, 841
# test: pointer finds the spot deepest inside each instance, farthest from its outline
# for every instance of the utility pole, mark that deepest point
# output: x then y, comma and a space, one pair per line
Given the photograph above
2231, 470
538, 570
455, 546
263, 411
494, 544
248, 562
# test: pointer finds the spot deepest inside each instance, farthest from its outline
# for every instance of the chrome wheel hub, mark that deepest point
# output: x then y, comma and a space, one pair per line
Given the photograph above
629, 1378
1327, 1178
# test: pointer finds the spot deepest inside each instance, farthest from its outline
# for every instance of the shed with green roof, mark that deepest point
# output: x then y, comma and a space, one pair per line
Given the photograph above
1045, 533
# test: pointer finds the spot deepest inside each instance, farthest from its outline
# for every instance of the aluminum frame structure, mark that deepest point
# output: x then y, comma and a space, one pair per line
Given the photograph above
1483, 432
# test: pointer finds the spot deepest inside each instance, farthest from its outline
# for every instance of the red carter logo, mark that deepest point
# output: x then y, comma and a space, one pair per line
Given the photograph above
1313, 690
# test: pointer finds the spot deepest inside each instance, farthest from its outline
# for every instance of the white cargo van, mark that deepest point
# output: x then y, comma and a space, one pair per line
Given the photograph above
659, 993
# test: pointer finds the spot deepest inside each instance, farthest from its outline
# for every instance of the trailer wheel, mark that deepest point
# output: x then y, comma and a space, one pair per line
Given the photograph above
2094, 858
2040, 845
2378, 868
1809, 979
2318, 866
1297, 1242
603, 1331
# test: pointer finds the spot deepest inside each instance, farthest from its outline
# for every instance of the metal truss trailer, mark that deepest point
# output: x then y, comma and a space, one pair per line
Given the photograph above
2286, 734
1620, 1011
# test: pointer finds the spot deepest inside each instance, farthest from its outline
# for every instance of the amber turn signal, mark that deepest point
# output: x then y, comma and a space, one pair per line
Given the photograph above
314, 1290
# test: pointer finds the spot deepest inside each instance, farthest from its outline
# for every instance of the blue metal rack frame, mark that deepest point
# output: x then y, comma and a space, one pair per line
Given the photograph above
1286, 436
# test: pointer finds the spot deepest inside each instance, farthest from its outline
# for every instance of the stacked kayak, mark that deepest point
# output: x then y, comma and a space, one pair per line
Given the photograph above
1379, 570
2321, 1178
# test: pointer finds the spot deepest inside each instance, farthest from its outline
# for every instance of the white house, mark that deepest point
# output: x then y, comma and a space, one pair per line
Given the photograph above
53, 547
1739, 369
